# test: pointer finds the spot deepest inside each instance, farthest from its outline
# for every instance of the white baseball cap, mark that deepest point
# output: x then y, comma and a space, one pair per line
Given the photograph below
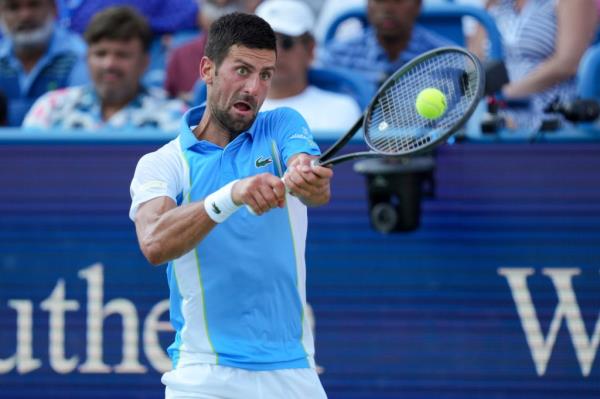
290, 17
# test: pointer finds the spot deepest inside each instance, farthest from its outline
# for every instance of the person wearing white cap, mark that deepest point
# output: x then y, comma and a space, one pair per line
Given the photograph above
293, 22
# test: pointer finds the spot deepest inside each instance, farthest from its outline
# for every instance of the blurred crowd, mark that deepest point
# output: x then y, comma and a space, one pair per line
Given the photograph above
120, 64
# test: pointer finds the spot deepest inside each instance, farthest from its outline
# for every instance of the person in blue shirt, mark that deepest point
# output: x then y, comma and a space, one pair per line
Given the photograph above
36, 55
391, 39
225, 204
118, 40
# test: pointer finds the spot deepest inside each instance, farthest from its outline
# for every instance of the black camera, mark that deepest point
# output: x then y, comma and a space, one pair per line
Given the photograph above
395, 188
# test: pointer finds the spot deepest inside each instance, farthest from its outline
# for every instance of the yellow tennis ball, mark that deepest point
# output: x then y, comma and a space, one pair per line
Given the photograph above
431, 103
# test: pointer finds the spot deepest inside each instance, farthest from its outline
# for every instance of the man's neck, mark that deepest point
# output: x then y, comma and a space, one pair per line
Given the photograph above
393, 46
30, 57
210, 130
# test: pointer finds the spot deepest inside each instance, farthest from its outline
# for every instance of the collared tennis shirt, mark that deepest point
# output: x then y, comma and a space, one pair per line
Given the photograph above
238, 298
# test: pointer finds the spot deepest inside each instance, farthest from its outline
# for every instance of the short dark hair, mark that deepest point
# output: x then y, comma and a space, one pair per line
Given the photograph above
119, 23
241, 29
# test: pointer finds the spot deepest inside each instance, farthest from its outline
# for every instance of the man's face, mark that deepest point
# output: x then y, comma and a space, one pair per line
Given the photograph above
393, 18
239, 86
27, 22
116, 67
294, 55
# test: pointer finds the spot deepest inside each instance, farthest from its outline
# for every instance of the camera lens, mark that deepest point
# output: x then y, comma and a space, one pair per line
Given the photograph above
384, 217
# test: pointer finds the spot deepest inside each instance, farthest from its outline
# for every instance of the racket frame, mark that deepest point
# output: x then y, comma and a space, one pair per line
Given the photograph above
327, 158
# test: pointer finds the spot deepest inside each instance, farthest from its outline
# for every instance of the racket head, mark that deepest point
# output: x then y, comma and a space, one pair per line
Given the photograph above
392, 125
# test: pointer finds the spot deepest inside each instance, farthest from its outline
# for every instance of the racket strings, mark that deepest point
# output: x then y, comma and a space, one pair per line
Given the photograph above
394, 125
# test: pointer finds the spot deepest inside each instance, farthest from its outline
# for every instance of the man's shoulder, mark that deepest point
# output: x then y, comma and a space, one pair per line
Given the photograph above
427, 38
168, 153
277, 120
59, 97
277, 114
65, 41
353, 45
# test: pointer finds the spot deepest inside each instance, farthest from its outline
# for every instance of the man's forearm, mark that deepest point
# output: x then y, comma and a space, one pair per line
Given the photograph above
175, 233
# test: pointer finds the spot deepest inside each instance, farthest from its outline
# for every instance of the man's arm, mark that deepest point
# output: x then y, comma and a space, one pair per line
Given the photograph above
166, 231
312, 185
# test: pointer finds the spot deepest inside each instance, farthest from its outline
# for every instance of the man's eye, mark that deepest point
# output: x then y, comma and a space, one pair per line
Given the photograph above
242, 71
266, 75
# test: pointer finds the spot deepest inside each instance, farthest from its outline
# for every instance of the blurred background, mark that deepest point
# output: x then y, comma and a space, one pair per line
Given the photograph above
470, 272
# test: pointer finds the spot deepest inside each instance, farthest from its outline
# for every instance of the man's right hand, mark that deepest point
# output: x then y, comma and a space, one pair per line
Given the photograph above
260, 192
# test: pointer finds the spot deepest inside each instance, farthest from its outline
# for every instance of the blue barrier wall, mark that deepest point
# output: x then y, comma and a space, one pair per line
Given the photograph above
497, 295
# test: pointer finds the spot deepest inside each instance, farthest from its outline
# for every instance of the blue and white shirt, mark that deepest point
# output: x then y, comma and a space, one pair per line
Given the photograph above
529, 38
63, 65
238, 299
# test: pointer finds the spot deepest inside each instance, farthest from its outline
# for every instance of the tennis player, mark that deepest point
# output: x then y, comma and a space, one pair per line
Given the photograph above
236, 276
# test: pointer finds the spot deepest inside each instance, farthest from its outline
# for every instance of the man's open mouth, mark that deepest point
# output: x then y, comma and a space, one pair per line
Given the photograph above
242, 106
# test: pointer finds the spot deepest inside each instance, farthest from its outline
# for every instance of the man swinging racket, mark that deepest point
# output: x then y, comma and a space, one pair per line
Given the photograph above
213, 204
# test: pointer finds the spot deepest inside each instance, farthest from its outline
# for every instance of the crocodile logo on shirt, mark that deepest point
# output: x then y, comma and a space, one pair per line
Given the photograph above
261, 161
216, 208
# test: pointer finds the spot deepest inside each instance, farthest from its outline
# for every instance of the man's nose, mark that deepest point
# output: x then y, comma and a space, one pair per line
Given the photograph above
252, 85
109, 61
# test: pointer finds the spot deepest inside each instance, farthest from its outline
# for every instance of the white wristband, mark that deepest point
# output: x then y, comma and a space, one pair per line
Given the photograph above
219, 205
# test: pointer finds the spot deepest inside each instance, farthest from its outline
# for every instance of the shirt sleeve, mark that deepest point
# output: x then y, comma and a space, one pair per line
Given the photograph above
38, 116
158, 174
293, 135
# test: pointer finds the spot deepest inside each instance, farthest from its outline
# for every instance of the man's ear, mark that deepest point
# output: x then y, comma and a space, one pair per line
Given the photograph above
207, 70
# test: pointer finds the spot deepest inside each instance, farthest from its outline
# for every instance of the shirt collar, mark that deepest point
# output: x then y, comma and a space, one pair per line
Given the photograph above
192, 118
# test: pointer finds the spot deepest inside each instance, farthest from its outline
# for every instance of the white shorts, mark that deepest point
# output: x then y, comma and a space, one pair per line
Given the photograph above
208, 381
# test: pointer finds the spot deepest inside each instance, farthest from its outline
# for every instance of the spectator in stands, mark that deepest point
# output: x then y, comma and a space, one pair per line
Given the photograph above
118, 39
36, 55
324, 111
391, 39
543, 44
183, 62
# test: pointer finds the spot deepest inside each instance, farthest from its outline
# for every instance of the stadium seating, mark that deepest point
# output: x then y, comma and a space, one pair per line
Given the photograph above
445, 19
588, 75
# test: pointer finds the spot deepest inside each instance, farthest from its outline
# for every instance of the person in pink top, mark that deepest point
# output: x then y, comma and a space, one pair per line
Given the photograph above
183, 62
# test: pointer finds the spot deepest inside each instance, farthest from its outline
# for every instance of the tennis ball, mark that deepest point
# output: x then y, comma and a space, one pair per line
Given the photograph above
431, 103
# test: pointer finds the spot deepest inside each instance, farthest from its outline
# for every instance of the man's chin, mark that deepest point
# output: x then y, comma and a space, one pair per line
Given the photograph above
242, 123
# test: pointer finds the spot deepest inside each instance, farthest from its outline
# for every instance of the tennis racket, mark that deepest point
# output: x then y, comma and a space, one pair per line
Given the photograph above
391, 124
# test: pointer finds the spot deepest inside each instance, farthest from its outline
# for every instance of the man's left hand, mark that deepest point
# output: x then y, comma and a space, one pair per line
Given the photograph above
309, 183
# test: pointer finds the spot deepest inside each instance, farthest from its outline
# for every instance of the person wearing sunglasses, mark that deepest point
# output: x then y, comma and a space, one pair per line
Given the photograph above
293, 22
